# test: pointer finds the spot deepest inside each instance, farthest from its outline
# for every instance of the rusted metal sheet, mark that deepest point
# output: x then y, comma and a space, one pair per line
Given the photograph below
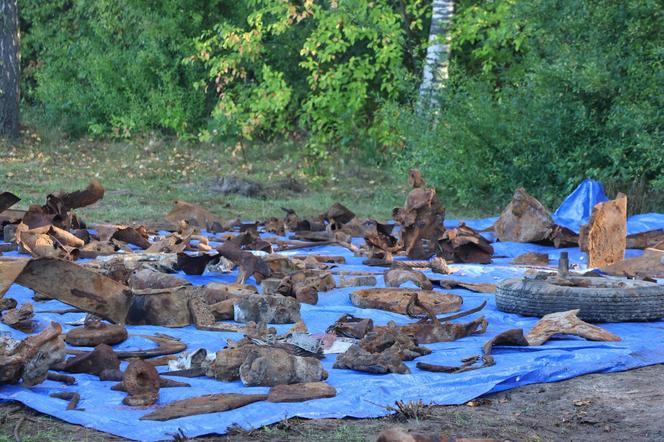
604, 237
77, 286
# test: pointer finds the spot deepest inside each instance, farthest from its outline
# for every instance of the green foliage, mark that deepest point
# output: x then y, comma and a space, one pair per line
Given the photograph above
322, 67
107, 66
542, 95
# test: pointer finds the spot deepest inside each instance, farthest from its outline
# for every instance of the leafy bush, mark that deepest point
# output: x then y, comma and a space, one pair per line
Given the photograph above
542, 95
321, 67
106, 66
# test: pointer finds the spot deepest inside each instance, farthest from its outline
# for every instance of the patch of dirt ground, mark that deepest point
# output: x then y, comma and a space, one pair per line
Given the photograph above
627, 406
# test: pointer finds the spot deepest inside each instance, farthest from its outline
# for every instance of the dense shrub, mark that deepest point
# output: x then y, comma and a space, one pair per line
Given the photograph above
544, 94
321, 67
103, 66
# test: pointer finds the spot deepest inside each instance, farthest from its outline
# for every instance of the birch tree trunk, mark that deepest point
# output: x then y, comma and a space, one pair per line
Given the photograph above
435, 71
9, 67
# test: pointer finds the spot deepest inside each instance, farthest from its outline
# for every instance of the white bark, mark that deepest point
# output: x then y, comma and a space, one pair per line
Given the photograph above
435, 71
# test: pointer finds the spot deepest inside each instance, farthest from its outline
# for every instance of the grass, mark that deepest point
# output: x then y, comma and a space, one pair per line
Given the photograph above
144, 176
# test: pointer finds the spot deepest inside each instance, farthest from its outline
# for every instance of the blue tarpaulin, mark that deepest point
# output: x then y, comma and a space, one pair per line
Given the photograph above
575, 210
360, 395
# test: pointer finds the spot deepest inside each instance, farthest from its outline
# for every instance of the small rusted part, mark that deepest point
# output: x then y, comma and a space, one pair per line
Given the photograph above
72, 397
57, 377
563, 265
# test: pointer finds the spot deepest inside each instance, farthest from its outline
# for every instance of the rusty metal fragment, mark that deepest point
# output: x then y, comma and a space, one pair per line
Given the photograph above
464, 244
532, 258
7, 304
421, 219
163, 383
31, 358
379, 239
94, 249
604, 237
509, 337
397, 276
195, 264
137, 236
70, 396
396, 300
276, 366
649, 265
212, 403
147, 278
566, 323
95, 332
195, 215
80, 198
38, 243
337, 216
431, 329
167, 307
303, 285
20, 318
166, 345
7, 199
176, 242
275, 309
120, 267
301, 392
477, 287
351, 327
524, 220
512, 337
381, 352
645, 240
77, 286
57, 377
250, 264
10, 268
142, 383
101, 359
357, 281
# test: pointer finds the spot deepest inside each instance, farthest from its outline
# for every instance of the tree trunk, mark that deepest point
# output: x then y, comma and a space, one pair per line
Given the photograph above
9, 67
438, 53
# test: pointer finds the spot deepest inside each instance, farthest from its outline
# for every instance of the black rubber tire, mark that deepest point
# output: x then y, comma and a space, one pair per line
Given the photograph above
631, 301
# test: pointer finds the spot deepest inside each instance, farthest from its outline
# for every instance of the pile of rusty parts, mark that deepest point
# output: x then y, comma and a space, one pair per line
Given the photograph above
132, 280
